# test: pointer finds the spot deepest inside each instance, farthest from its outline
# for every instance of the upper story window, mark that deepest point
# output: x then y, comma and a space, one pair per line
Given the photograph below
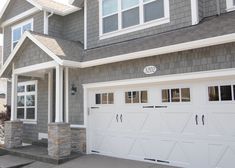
123, 16
19, 29
230, 5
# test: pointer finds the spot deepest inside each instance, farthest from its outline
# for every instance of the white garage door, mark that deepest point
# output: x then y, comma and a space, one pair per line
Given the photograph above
187, 124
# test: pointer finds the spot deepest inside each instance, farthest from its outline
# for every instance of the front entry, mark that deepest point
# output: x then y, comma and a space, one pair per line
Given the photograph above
186, 123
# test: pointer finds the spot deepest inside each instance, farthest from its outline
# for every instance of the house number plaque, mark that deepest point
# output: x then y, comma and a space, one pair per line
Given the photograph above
150, 70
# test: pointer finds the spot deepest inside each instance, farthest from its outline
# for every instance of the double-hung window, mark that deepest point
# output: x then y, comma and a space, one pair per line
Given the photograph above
230, 5
27, 101
18, 30
124, 16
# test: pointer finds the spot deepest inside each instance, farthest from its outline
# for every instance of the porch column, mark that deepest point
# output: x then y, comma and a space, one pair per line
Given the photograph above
59, 133
13, 128
59, 94
14, 96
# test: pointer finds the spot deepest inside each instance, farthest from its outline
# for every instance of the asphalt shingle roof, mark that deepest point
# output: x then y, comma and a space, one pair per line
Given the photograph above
55, 6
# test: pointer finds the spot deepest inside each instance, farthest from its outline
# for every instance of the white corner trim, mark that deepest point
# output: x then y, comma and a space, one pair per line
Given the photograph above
20, 16
194, 12
42, 136
66, 92
4, 8
165, 78
85, 24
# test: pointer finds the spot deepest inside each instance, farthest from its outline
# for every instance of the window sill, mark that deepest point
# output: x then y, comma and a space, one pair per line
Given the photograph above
29, 122
135, 28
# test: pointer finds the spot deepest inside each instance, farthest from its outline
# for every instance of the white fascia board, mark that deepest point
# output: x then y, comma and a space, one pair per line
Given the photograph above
154, 52
20, 16
37, 67
165, 78
4, 8
19, 44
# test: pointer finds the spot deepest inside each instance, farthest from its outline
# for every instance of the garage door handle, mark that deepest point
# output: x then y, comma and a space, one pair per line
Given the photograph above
117, 117
196, 119
121, 118
203, 120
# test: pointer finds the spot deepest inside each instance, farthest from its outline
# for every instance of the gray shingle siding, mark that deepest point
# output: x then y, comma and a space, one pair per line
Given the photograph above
70, 27
15, 8
42, 119
38, 27
180, 16
209, 8
30, 133
30, 54
204, 59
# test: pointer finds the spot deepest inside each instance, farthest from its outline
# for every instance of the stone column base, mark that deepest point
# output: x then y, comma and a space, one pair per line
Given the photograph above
13, 134
59, 140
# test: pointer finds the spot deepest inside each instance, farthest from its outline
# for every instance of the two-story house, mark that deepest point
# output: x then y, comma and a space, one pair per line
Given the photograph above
148, 80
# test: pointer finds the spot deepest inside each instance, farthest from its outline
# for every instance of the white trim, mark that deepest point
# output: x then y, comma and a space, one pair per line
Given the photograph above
142, 25
194, 12
20, 17
156, 51
13, 94
37, 67
66, 87
42, 136
85, 24
50, 95
59, 94
2, 56
20, 25
165, 78
230, 6
228, 38
39, 44
77, 126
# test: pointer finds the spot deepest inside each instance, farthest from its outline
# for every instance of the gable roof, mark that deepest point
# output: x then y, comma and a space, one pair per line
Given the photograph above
49, 6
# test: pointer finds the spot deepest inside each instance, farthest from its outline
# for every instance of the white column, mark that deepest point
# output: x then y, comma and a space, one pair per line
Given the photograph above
14, 96
50, 95
59, 94
66, 95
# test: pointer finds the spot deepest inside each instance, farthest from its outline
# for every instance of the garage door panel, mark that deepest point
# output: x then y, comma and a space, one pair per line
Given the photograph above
102, 121
133, 122
179, 122
222, 125
227, 160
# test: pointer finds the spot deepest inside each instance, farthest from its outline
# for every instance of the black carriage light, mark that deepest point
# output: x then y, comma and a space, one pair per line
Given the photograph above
73, 89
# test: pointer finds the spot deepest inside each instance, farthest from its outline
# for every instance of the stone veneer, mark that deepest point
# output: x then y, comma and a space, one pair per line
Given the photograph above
59, 140
79, 140
13, 134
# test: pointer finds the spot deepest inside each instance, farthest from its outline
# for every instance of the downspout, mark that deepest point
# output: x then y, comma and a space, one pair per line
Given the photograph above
218, 7
46, 21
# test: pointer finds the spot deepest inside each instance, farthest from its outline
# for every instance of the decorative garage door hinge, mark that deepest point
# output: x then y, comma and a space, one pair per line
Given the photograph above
154, 160
93, 151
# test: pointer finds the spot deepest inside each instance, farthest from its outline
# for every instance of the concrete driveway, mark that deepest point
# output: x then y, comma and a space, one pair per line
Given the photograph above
96, 161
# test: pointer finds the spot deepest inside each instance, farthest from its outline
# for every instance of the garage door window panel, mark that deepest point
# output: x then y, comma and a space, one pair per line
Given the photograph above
104, 98
221, 93
136, 97
226, 93
185, 95
175, 95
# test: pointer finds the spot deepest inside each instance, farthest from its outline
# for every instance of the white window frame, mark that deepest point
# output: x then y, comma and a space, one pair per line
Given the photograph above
25, 93
18, 26
230, 5
142, 25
